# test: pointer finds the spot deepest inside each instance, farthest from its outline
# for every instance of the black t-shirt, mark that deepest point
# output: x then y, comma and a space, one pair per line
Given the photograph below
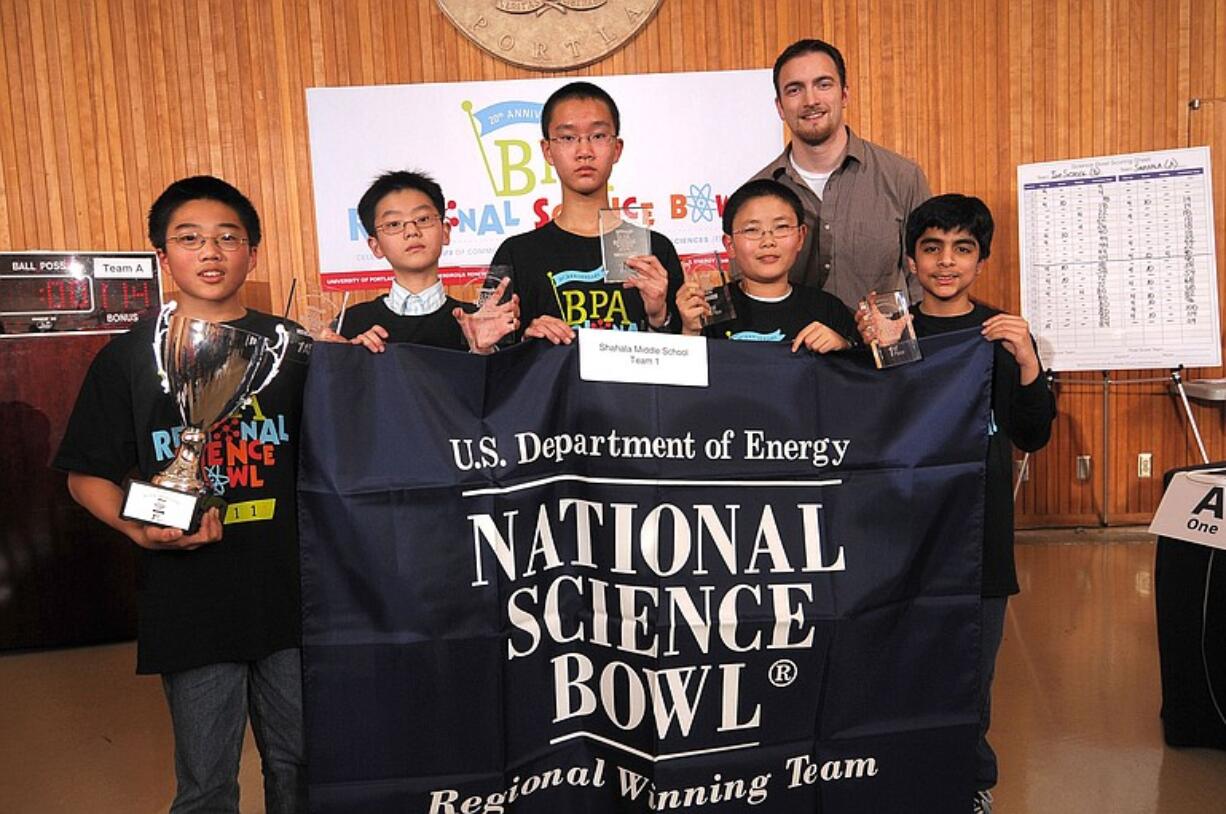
1021, 415
236, 599
561, 274
437, 329
760, 321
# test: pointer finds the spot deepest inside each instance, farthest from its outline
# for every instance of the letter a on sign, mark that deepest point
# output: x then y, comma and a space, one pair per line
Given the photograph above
1211, 502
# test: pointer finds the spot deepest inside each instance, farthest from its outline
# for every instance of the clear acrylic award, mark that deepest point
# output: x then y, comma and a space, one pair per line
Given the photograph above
619, 241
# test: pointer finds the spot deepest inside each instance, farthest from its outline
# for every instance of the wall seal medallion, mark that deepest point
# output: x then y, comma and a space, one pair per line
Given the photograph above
550, 35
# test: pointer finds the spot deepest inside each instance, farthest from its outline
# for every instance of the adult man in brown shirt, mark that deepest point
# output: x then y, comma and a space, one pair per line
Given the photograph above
856, 194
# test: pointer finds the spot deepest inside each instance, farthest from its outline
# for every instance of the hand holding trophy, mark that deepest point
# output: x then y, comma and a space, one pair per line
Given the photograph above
884, 321
211, 369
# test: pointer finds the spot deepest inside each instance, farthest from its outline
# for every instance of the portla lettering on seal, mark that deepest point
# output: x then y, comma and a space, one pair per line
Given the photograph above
549, 34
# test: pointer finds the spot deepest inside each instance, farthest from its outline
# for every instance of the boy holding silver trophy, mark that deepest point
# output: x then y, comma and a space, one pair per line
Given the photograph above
218, 599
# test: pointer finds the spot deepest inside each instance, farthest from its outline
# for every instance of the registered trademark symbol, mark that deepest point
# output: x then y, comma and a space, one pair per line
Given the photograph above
783, 672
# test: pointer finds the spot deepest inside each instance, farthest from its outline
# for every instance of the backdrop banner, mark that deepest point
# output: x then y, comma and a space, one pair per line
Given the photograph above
527, 592
481, 141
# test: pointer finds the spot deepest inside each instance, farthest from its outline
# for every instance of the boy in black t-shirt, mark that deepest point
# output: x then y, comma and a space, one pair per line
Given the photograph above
764, 230
557, 268
402, 213
949, 238
219, 610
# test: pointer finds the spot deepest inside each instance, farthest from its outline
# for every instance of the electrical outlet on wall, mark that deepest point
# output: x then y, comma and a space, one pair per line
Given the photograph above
1145, 465
1083, 467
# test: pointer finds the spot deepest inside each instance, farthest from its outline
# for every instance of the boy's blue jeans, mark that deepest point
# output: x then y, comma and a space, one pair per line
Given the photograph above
992, 630
208, 710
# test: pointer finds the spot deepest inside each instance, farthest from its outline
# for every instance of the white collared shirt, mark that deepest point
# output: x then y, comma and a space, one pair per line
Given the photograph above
407, 304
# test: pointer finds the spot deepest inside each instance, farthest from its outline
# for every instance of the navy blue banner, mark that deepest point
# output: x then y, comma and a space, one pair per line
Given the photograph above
527, 592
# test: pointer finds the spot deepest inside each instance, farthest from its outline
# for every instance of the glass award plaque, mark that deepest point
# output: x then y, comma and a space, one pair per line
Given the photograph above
893, 336
708, 272
619, 241
318, 315
494, 276
498, 279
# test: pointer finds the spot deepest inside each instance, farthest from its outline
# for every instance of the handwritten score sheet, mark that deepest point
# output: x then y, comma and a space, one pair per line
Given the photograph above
1118, 263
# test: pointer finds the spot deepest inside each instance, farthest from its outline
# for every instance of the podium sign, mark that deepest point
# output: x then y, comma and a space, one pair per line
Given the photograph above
1193, 508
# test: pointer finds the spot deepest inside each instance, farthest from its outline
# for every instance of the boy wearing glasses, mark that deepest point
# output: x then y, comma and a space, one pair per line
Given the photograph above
219, 619
764, 231
557, 268
402, 213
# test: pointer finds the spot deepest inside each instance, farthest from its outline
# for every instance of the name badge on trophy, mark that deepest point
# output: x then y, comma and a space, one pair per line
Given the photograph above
211, 369
893, 338
619, 241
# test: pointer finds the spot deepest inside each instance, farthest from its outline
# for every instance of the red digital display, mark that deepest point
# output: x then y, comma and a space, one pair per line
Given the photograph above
48, 293
32, 296
126, 295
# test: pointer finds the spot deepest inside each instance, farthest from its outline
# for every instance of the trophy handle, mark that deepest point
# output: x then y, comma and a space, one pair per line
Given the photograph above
278, 355
159, 339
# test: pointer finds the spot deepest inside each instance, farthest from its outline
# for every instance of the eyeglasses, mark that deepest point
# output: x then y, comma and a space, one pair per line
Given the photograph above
421, 224
226, 241
780, 231
598, 141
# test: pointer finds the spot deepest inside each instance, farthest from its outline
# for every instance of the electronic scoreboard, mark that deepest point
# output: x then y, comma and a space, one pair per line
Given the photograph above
45, 293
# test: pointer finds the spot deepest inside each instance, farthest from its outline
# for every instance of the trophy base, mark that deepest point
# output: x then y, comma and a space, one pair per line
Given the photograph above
159, 506
619, 274
904, 351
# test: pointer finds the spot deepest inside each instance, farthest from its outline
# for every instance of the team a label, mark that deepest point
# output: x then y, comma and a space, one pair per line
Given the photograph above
118, 268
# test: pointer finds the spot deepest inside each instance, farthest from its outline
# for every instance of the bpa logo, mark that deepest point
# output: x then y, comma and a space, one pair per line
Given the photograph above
513, 165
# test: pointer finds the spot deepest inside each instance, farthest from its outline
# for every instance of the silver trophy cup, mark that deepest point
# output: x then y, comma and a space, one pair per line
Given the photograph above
211, 369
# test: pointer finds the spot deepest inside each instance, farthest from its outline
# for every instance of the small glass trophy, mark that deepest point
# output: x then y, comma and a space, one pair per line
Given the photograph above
893, 336
488, 299
707, 271
619, 241
319, 315
494, 276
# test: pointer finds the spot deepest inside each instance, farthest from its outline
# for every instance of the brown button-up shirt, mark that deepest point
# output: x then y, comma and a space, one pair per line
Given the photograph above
855, 238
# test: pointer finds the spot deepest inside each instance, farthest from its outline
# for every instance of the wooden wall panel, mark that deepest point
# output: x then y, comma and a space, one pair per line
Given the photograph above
103, 102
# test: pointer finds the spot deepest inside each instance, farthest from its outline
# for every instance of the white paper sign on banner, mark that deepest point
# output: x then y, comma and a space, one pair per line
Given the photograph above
639, 357
691, 140
1193, 508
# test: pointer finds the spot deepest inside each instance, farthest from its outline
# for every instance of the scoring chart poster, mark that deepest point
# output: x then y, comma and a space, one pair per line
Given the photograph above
1119, 264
